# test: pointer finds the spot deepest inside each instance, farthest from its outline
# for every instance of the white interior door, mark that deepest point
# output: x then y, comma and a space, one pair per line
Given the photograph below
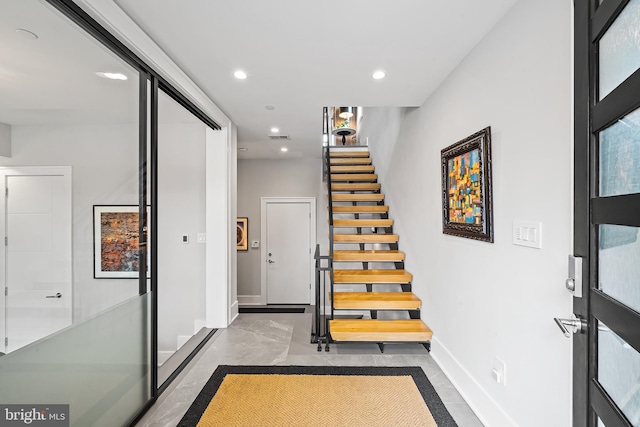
38, 259
287, 251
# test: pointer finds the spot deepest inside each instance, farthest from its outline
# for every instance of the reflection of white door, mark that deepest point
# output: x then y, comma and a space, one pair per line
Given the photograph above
288, 228
38, 260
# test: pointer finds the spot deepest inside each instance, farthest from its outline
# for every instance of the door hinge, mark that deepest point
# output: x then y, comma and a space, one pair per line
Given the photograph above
6, 241
6, 192
6, 342
6, 291
309, 215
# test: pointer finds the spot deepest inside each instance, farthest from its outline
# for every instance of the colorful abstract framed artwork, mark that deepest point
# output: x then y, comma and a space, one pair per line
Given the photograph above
467, 209
242, 234
116, 249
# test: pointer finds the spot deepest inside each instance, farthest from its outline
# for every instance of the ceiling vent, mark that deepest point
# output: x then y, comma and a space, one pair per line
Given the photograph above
278, 137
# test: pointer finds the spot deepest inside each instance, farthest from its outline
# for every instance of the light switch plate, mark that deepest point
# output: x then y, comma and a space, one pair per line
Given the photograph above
527, 233
202, 237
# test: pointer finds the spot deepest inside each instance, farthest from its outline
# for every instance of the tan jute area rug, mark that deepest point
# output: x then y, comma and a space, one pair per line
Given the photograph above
317, 396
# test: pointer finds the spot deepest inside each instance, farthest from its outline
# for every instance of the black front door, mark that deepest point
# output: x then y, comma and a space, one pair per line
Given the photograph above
607, 212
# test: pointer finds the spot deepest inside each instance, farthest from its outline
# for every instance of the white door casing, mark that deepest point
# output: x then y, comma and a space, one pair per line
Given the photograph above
36, 262
288, 229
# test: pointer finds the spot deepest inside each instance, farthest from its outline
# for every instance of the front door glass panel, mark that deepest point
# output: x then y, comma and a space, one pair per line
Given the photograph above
618, 255
619, 49
619, 372
620, 157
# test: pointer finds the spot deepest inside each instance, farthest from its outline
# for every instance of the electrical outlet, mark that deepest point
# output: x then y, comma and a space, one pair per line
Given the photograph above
499, 371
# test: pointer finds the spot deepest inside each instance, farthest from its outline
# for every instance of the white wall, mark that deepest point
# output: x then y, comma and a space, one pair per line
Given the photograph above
274, 178
181, 210
219, 224
104, 161
5, 140
233, 214
485, 300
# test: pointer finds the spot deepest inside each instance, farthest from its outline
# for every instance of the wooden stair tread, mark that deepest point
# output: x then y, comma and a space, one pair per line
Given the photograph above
376, 301
368, 255
360, 209
355, 186
365, 238
354, 177
374, 330
349, 154
371, 276
374, 197
352, 169
350, 161
362, 223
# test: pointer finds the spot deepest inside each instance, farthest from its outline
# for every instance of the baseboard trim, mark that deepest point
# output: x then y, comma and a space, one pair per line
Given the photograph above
233, 311
481, 403
250, 300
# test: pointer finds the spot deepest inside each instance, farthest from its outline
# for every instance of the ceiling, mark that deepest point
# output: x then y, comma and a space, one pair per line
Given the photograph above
52, 79
301, 56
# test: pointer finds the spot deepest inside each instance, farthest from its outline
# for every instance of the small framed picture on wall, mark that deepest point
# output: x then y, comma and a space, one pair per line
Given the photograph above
242, 234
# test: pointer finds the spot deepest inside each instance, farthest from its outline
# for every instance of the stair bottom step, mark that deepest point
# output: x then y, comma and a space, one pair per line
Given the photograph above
373, 330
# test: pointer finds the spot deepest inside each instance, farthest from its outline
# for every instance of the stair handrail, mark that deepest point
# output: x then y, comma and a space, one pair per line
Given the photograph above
331, 231
325, 139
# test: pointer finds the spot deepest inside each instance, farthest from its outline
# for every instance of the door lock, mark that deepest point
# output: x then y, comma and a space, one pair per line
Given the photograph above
574, 282
575, 325
271, 261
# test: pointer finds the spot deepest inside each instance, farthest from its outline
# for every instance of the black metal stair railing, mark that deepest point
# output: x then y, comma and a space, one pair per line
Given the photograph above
321, 329
325, 139
320, 325
331, 233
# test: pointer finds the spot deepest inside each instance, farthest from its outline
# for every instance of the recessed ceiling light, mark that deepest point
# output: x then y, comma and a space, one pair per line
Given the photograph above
112, 76
240, 75
379, 75
27, 34
275, 130
284, 149
270, 107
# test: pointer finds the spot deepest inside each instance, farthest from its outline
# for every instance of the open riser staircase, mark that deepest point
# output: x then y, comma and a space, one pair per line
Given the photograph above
368, 272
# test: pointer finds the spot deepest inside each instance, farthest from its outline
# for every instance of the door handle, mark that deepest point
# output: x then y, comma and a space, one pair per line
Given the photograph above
58, 295
271, 261
568, 326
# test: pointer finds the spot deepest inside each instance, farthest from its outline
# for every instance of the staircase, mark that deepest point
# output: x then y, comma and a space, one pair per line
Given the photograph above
362, 233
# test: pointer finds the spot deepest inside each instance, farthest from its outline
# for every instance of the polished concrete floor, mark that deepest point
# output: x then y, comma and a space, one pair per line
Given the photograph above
283, 339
